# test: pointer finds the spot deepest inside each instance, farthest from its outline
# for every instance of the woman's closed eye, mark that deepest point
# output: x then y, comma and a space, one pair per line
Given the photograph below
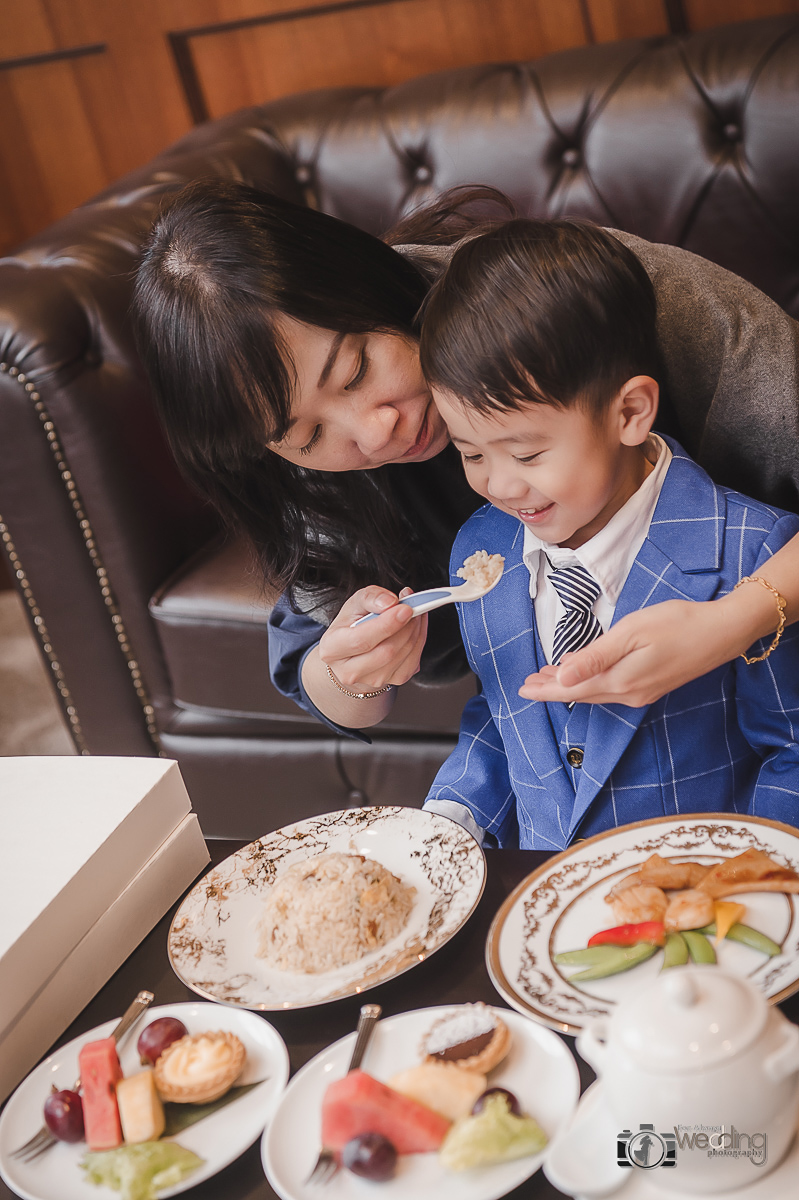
527, 458
363, 366
308, 447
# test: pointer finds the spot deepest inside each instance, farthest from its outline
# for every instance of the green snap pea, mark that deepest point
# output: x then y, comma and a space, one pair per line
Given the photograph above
699, 947
749, 937
623, 959
590, 956
675, 951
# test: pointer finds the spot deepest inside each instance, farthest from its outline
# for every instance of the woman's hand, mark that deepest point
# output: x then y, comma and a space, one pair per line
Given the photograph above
655, 650
380, 652
365, 659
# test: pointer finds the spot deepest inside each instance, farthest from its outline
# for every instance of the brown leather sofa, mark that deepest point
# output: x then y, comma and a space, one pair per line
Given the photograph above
153, 628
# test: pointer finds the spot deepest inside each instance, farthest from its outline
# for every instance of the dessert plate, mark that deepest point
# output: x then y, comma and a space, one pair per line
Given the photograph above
559, 906
539, 1069
213, 938
218, 1139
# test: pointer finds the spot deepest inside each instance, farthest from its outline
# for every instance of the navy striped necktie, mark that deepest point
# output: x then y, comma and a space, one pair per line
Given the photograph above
578, 591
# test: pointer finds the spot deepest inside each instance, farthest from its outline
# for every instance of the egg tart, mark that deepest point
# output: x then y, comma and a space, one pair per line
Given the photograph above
471, 1037
199, 1067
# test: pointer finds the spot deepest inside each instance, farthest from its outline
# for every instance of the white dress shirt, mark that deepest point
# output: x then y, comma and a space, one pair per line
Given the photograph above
608, 555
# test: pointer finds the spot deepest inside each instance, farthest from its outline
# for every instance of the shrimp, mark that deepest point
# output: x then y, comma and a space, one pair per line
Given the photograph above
690, 909
639, 903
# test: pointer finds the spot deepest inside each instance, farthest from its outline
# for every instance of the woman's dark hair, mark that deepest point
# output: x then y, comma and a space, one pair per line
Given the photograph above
553, 312
222, 262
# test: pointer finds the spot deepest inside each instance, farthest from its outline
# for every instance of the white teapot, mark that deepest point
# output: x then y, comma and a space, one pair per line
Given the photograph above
702, 1078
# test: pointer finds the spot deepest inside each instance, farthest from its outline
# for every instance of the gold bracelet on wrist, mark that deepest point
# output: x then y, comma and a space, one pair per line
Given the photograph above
356, 695
781, 603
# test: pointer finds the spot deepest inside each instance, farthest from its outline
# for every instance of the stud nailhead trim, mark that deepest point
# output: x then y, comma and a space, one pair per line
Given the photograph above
100, 571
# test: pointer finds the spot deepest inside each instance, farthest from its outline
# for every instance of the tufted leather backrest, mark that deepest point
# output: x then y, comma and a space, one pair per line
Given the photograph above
692, 140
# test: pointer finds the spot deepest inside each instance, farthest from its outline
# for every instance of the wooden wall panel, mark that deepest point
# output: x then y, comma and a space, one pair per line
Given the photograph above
249, 66
705, 14
610, 20
91, 89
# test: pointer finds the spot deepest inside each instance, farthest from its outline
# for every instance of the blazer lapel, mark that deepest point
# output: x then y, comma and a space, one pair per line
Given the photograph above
507, 610
680, 560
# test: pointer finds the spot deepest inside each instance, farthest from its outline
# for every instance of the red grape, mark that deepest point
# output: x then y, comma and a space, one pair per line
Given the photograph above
370, 1155
63, 1116
513, 1103
154, 1039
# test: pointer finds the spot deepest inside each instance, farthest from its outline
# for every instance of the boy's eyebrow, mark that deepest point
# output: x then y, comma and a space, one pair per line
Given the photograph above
512, 438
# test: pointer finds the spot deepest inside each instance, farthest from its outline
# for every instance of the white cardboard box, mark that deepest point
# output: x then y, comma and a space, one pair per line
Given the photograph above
93, 851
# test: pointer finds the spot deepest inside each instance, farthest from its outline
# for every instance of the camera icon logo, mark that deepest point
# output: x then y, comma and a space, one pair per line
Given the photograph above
646, 1148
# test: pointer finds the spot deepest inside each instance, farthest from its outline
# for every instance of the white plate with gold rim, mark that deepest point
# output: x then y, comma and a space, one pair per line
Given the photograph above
559, 906
214, 935
539, 1069
217, 1139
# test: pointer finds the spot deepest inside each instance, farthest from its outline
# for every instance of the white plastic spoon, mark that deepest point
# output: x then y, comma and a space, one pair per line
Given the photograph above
426, 601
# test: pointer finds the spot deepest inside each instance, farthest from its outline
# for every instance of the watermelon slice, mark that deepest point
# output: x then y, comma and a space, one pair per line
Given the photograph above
358, 1103
99, 1072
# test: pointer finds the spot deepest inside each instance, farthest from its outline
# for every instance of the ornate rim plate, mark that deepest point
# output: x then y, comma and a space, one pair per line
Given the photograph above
559, 906
218, 1139
539, 1069
213, 936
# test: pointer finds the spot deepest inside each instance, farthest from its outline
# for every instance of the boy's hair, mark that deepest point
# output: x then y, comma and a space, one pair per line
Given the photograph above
553, 312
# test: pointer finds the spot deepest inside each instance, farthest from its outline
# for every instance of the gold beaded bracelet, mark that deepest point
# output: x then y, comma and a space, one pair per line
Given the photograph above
356, 695
781, 602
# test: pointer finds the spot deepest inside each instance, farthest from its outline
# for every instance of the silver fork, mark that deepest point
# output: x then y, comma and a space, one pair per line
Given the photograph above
44, 1139
327, 1164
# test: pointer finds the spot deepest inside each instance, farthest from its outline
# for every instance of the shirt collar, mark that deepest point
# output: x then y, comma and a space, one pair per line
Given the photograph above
610, 553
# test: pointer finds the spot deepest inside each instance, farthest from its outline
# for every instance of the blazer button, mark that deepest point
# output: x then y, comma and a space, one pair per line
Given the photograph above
575, 757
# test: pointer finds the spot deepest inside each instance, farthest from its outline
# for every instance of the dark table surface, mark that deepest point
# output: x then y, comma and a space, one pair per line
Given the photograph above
453, 975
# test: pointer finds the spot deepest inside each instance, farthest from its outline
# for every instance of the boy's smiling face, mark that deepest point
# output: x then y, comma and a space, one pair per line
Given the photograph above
563, 472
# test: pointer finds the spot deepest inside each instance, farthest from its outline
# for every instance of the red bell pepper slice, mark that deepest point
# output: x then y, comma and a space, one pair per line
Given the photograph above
653, 932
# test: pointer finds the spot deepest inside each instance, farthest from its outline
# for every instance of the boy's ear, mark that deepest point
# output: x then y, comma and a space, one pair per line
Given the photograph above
637, 406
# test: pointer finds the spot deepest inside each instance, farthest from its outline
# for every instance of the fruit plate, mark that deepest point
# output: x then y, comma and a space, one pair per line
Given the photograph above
539, 1070
559, 906
218, 1139
213, 939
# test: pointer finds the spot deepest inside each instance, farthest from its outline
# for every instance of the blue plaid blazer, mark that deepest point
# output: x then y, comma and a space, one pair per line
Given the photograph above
725, 742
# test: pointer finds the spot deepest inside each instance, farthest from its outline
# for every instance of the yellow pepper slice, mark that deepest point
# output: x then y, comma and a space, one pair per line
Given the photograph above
728, 913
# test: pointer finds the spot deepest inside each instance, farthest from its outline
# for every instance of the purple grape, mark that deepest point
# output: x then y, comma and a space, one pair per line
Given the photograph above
370, 1155
154, 1039
63, 1116
513, 1103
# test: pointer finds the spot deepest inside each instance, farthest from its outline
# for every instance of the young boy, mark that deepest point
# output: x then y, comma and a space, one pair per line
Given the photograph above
539, 343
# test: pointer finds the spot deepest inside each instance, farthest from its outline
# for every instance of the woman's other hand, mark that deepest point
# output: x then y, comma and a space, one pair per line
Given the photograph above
655, 650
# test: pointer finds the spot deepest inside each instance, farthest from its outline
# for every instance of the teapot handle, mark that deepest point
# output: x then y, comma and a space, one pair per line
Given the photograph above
784, 1061
592, 1044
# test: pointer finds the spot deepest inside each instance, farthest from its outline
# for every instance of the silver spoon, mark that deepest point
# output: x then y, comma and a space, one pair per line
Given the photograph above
426, 601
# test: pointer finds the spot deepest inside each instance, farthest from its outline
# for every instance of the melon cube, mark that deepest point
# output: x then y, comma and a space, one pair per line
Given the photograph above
140, 1109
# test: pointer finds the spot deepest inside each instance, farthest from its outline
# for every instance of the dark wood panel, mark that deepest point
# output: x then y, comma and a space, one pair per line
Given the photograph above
610, 20
375, 44
705, 14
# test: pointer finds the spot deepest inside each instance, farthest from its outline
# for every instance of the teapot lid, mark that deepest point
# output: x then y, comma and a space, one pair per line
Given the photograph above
688, 1018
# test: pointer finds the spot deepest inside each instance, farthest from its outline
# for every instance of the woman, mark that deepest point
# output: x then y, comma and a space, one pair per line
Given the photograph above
280, 345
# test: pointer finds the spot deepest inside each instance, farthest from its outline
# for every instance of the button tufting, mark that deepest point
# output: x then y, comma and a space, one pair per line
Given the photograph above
423, 174
575, 757
732, 132
303, 174
570, 157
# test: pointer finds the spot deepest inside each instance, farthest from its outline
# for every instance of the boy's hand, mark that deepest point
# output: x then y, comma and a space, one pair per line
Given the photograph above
647, 654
